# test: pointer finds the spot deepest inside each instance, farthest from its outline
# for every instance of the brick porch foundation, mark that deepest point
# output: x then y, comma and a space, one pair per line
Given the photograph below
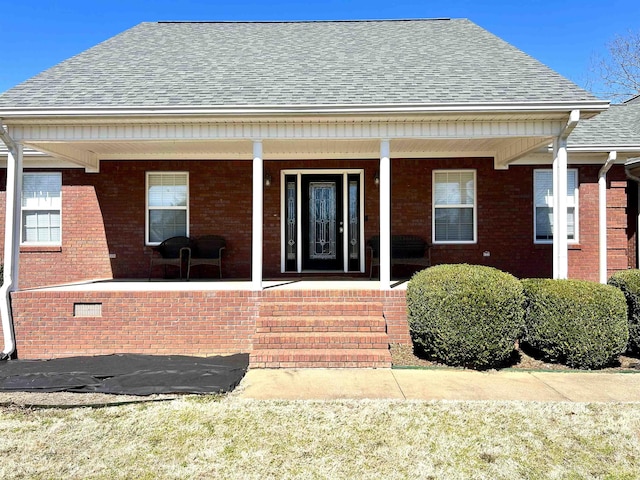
51, 324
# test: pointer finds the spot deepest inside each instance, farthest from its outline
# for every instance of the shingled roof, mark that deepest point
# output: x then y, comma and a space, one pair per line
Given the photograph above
618, 126
296, 63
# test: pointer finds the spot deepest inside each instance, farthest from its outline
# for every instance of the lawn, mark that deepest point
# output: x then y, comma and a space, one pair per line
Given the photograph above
229, 437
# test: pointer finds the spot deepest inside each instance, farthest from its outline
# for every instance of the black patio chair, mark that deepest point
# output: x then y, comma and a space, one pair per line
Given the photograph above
207, 250
173, 251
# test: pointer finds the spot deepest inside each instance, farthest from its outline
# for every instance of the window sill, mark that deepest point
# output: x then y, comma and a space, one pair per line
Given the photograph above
40, 248
545, 246
455, 246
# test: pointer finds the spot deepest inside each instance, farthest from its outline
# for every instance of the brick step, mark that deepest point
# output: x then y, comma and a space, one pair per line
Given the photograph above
331, 323
314, 358
322, 340
320, 308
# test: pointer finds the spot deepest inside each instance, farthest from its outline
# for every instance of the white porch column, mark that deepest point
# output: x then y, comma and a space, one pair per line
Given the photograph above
385, 215
560, 244
555, 214
602, 214
257, 224
11, 244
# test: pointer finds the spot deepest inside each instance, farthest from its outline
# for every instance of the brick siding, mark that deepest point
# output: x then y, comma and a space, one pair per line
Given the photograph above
104, 214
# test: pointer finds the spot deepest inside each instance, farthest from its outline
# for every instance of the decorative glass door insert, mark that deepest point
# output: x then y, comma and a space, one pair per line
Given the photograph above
322, 220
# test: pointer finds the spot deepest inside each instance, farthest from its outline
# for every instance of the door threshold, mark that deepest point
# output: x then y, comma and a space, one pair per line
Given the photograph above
342, 272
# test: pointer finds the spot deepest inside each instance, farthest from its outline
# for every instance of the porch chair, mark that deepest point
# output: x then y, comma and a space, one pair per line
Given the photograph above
207, 250
405, 250
173, 251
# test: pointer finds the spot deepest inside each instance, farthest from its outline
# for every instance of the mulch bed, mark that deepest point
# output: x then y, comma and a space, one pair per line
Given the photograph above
407, 356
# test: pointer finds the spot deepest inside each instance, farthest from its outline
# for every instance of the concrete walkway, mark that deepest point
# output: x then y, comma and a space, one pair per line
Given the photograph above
439, 384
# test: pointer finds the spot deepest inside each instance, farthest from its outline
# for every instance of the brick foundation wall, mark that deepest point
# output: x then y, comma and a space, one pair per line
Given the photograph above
185, 323
104, 214
188, 323
395, 312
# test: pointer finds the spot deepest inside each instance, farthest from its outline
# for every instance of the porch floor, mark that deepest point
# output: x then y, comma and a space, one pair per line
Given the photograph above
160, 285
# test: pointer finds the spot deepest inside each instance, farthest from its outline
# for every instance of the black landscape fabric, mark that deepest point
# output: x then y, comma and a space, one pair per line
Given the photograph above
125, 374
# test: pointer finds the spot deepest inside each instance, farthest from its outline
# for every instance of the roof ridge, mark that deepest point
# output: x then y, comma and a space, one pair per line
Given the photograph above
308, 21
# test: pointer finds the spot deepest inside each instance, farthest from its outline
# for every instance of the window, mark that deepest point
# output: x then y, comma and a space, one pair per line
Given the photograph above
167, 205
454, 206
543, 207
41, 207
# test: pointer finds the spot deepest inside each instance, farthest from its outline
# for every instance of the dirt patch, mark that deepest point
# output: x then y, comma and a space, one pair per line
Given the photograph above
407, 356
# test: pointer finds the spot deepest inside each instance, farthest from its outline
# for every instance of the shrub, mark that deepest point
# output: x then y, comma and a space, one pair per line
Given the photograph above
629, 282
579, 323
467, 315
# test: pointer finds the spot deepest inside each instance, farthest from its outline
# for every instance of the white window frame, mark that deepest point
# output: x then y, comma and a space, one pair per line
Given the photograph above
283, 216
474, 206
149, 208
570, 203
32, 209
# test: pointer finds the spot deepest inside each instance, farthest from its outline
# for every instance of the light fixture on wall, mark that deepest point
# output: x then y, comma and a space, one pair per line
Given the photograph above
376, 178
267, 179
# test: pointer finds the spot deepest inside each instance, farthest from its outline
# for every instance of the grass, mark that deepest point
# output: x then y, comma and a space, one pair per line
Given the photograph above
214, 437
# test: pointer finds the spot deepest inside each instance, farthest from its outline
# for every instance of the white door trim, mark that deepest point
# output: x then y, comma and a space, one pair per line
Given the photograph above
345, 172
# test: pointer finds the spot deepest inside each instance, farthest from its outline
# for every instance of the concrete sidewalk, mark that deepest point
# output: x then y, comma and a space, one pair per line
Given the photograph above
439, 384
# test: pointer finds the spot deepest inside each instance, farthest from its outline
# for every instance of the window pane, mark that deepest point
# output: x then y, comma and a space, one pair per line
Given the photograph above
41, 227
544, 223
165, 224
454, 188
543, 197
454, 224
572, 185
571, 223
41, 190
543, 180
167, 190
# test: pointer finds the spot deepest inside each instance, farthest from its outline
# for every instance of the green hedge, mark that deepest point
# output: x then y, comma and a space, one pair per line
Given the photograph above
579, 323
467, 315
629, 282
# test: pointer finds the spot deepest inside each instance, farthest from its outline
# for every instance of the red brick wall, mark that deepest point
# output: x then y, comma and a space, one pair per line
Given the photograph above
188, 323
104, 214
584, 256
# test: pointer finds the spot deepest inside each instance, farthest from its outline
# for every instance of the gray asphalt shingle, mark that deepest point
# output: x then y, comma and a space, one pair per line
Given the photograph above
296, 63
617, 126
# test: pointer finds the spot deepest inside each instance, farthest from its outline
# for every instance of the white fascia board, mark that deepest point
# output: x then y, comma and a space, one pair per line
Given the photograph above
595, 106
577, 158
603, 148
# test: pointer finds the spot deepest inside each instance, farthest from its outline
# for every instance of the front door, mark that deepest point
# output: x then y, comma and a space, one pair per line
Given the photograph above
322, 222
322, 216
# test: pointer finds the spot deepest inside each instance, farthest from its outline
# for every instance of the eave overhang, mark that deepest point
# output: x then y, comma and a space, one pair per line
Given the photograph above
85, 136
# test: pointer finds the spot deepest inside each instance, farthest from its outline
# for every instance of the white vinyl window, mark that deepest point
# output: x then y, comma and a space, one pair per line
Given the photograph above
454, 206
543, 206
41, 208
167, 206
